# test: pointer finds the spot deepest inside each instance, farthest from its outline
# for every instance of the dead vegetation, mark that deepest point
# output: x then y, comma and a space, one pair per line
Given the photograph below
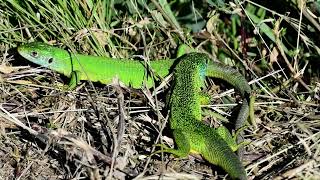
106, 131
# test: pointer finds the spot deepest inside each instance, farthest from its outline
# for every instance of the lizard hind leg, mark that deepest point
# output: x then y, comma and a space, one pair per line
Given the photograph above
227, 137
231, 139
183, 145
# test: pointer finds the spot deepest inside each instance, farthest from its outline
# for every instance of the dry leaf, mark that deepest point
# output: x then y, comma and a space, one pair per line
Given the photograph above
274, 55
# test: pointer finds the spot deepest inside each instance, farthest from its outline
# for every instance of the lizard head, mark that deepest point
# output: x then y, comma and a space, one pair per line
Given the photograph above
47, 56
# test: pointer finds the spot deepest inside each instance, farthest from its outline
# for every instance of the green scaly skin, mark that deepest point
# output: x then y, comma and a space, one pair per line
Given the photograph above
103, 69
234, 78
96, 69
190, 134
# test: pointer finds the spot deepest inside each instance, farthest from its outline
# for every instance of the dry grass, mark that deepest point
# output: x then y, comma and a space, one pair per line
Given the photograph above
104, 131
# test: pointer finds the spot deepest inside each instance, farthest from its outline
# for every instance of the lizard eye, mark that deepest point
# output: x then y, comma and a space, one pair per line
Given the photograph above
34, 54
50, 60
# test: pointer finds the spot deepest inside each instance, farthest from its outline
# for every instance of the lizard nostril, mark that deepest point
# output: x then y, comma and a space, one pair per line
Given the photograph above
50, 60
34, 54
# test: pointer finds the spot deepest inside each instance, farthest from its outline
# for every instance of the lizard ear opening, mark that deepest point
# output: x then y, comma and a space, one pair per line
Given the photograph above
50, 60
34, 53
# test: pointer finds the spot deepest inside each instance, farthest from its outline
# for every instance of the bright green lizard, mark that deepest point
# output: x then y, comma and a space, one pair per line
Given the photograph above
190, 134
102, 69
97, 69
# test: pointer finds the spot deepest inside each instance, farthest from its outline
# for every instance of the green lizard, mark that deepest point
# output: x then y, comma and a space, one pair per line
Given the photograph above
190, 134
102, 69
97, 69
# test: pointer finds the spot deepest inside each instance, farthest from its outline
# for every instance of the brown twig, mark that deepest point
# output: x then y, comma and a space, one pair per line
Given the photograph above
295, 75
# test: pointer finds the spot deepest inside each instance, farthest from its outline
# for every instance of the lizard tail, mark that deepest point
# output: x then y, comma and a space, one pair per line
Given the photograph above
228, 160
